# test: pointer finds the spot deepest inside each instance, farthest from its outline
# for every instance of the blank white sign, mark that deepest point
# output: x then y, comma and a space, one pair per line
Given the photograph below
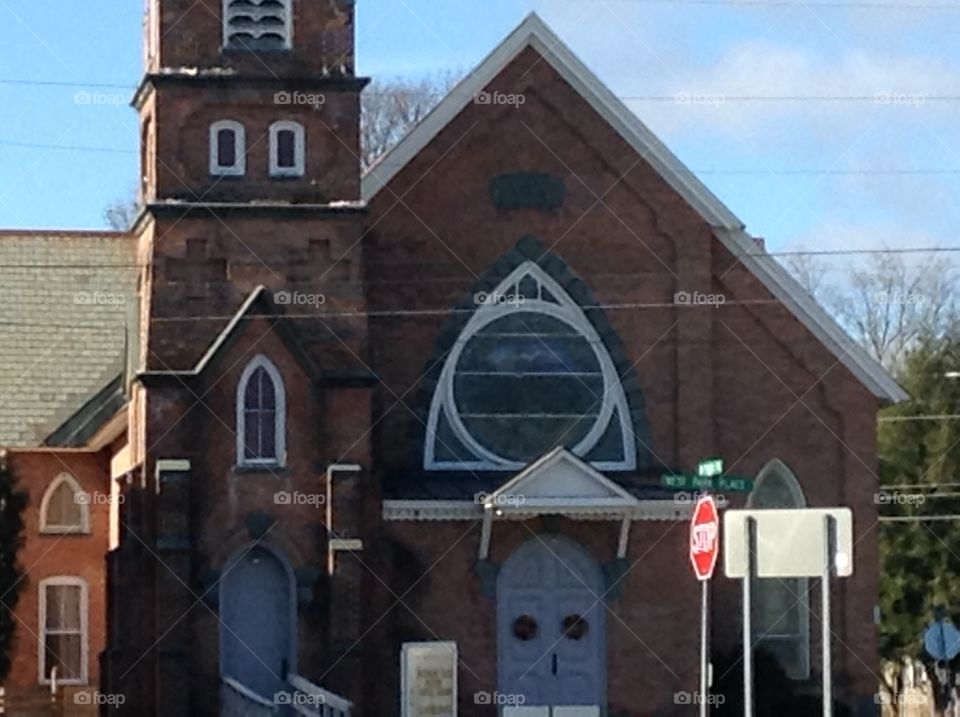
790, 543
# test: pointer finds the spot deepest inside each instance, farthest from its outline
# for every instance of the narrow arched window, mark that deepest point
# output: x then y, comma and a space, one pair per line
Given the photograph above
65, 507
63, 630
781, 616
261, 419
227, 149
287, 150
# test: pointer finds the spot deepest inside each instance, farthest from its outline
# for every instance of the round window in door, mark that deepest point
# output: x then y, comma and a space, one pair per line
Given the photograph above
556, 583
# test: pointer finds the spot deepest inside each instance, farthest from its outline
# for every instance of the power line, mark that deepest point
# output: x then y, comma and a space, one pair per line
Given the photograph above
66, 147
899, 419
27, 233
861, 4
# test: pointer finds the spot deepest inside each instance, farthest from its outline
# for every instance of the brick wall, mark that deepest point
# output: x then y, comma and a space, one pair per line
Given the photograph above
45, 556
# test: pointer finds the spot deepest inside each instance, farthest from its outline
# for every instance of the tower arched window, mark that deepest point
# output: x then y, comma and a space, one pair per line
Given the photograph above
287, 149
261, 415
528, 373
258, 25
228, 150
65, 507
781, 613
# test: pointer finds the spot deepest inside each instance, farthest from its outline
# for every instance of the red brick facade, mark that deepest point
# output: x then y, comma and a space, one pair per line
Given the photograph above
748, 381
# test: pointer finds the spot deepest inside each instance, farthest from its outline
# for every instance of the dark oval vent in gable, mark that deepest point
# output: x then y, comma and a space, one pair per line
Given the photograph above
527, 190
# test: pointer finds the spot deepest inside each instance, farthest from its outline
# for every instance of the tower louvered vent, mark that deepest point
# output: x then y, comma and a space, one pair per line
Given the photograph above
257, 24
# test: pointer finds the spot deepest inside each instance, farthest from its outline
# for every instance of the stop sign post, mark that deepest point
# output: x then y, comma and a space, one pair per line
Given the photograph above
704, 549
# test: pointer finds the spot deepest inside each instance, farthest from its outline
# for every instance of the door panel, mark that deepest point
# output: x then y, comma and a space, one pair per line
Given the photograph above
255, 643
550, 579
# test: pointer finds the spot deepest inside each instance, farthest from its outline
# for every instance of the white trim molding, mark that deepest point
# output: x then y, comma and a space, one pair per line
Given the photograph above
460, 510
80, 498
534, 33
239, 165
69, 581
280, 415
299, 149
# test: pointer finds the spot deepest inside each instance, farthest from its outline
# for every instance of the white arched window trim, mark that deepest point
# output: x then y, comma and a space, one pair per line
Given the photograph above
299, 149
239, 166
84, 628
777, 470
280, 417
566, 310
81, 498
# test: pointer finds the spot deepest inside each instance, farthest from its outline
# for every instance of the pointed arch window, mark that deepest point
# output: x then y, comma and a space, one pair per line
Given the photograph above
529, 372
258, 25
261, 415
228, 151
781, 613
65, 507
287, 149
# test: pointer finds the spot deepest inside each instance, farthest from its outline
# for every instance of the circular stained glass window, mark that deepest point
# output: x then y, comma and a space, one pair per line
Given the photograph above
527, 382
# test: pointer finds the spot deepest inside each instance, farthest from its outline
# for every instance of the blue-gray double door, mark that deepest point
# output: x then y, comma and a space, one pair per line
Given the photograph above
551, 626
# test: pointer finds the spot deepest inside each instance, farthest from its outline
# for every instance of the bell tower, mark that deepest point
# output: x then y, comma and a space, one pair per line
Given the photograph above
249, 113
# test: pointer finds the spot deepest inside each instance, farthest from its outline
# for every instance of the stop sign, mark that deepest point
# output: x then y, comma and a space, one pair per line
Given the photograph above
704, 537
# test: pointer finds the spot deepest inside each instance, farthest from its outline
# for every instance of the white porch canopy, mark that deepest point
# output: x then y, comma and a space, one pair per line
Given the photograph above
559, 483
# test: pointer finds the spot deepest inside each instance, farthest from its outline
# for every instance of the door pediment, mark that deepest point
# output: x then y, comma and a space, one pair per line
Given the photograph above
559, 482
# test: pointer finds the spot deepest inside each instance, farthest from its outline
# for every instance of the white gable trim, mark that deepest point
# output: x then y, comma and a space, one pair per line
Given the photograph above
619, 499
533, 32
788, 291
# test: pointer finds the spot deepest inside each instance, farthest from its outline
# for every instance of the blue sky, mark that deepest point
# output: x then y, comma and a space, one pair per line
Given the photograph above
894, 157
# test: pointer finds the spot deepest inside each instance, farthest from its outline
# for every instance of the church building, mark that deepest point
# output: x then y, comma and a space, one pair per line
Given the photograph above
308, 440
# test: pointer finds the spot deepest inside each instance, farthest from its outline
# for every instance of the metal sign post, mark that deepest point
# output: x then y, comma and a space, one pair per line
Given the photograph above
704, 551
829, 558
704, 646
795, 543
751, 542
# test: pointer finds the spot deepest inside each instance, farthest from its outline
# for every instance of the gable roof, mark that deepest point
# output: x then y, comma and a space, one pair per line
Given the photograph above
258, 306
69, 306
729, 230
